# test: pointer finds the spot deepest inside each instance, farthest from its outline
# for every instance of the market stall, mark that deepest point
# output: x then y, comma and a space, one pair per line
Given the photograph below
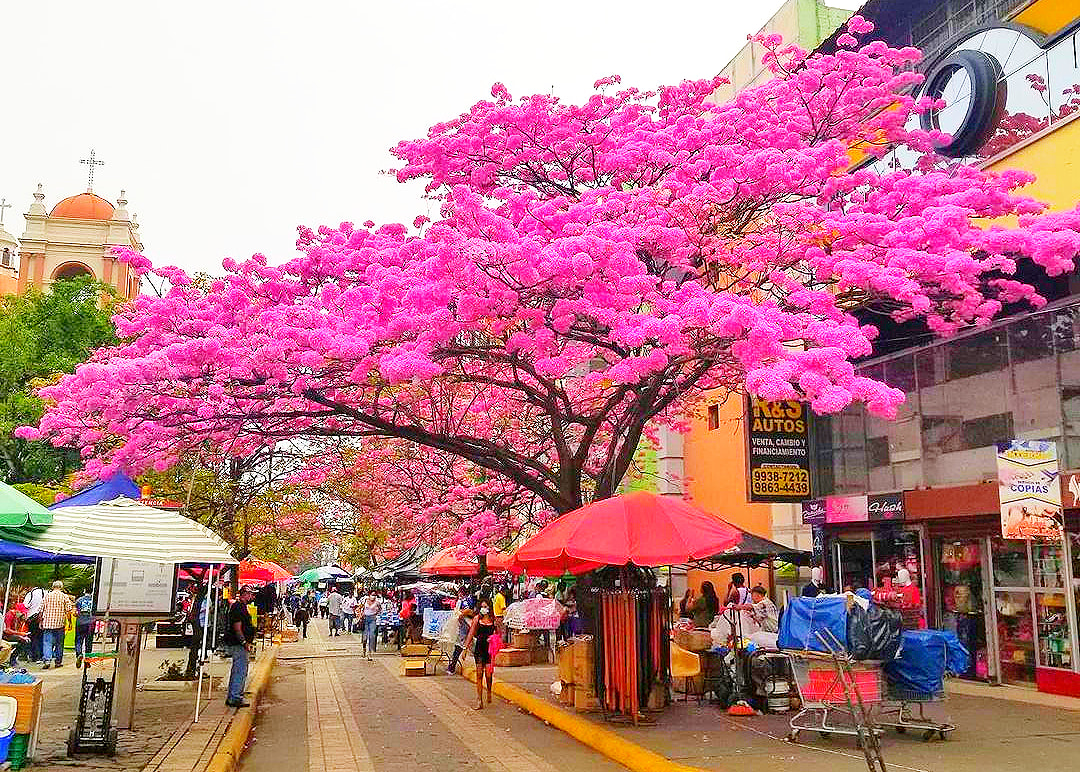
452, 562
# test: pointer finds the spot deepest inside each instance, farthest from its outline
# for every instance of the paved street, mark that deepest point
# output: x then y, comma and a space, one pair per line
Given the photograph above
328, 710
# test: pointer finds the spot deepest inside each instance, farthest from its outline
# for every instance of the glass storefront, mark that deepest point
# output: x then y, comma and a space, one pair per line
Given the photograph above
962, 606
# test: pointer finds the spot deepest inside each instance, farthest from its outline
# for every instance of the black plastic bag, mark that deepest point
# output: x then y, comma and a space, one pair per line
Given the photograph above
858, 632
873, 633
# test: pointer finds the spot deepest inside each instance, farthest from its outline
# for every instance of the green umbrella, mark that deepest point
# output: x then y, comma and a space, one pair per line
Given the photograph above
17, 509
311, 576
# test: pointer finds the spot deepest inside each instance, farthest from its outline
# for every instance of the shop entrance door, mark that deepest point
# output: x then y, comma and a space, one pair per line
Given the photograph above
964, 599
854, 564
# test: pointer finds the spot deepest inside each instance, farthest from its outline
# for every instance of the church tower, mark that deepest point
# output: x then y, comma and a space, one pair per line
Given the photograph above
75, 238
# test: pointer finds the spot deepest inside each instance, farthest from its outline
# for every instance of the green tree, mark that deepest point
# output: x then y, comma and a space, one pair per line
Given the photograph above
43, 335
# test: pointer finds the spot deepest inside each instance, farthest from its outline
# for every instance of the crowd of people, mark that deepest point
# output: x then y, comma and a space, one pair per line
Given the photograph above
35, 626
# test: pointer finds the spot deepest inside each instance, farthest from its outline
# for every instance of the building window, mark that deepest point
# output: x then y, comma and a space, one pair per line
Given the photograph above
714, 417
877, 452
985, 431
6, 259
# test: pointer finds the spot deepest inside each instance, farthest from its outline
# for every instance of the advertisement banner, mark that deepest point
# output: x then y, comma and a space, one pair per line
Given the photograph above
846, 509
778, 450
813, 512
885, 506
1029, 490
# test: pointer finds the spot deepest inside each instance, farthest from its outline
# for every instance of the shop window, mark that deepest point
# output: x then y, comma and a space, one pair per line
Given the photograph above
941, 433
714, 417
6, 259
961, 576
985, 431
976, 354
877, 452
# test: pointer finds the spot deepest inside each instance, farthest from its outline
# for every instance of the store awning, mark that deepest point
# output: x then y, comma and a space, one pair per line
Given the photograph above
126, 530
18, 509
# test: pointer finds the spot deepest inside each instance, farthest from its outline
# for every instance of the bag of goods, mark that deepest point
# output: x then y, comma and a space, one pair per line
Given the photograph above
806, 621
873, 632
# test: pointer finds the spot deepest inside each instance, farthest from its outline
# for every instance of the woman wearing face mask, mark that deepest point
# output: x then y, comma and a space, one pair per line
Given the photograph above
483, 627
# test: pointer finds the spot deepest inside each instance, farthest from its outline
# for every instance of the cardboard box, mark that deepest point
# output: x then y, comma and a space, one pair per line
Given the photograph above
290, 636
694, 640
413, 667
584, 701
414, 650
584, 661
541, 656
28, 697
524, 640
513, 657
564, 657
566, 697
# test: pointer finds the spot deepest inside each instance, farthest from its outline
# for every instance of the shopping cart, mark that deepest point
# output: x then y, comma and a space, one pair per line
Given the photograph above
904, 709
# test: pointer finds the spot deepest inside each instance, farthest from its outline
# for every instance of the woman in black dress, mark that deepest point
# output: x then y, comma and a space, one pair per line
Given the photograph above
483, 627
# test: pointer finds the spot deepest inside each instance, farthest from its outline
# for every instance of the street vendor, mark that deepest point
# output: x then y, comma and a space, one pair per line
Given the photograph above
17, 632
762, 611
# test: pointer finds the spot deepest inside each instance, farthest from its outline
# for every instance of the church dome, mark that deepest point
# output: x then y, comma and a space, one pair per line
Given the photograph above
85, 206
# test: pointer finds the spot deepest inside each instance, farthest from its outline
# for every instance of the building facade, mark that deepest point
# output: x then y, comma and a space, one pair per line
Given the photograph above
921, 492
76, 237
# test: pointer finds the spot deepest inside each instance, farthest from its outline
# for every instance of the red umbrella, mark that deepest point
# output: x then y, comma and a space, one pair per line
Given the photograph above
446, 562
250, 573
279, 574
640, 528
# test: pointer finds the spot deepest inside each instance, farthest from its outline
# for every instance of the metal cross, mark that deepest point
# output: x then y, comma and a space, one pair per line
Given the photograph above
91, 162
3, 205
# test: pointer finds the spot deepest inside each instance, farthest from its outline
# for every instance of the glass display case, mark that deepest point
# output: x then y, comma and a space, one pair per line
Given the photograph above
1015, 636
1052, 626
1010, 562
962, 609
1048, 566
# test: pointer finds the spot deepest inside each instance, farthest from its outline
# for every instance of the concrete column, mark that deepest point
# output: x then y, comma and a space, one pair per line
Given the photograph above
669, 463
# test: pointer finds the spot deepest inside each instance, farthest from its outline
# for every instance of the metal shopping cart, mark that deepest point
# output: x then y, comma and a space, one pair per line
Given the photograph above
904, 709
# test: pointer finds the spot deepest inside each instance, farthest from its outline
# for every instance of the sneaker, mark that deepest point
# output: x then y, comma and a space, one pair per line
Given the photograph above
78, 662
46, 665
237, 704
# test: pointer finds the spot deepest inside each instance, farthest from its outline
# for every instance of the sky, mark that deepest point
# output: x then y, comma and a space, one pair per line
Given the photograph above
230, 123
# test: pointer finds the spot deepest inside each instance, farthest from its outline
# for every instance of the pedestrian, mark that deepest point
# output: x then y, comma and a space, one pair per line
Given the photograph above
466, 608
320, 601
348, 613
56, 610
84, 626
408, 603
333, 608
33, 600
239, 637
372, 608
499, 602
305, 606
17, 633
480, 635
813, 587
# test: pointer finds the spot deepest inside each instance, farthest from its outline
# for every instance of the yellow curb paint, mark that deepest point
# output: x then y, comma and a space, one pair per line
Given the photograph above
610, 744
227, 756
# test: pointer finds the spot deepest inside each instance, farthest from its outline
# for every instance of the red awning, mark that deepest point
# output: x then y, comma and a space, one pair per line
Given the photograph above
447, 562
640, 528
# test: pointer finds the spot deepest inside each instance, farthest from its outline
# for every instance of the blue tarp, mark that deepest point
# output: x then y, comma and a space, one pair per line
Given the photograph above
11, 552
957, 657
106, 490
920, 667
805, 618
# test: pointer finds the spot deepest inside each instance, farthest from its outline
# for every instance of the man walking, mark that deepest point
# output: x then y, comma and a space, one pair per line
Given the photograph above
333, 608
56, 609
84, 626
238, 639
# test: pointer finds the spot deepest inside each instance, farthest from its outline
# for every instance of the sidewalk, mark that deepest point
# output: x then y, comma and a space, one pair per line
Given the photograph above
992, 735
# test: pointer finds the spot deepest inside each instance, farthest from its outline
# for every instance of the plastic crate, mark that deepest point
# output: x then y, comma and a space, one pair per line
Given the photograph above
16, 752
825, 685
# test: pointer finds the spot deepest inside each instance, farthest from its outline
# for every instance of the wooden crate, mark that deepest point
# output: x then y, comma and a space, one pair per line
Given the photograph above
513, 657
28, 697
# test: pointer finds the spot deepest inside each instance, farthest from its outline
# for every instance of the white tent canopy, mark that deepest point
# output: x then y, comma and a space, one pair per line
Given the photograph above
127, 530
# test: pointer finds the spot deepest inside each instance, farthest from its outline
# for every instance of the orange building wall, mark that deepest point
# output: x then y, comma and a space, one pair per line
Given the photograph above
714, 463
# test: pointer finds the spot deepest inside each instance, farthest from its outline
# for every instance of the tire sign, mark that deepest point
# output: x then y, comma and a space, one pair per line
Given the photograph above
778, 450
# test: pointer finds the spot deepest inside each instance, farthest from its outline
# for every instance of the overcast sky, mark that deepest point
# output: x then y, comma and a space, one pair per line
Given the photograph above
231, 122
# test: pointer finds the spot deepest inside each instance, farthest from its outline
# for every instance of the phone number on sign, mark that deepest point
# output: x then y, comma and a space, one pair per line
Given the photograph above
790, 482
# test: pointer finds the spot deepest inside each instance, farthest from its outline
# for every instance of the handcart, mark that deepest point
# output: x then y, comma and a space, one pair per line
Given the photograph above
903, 709
93, 730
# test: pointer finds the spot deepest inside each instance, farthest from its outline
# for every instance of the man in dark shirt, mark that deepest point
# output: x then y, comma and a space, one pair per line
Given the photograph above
239, 636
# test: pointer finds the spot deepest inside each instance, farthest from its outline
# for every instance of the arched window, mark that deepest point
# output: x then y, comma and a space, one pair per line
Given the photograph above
5, 260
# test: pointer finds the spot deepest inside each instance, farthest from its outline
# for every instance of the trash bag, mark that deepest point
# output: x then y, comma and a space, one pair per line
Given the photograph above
873, 632
957, 657
920, 666
807, 621
858, 632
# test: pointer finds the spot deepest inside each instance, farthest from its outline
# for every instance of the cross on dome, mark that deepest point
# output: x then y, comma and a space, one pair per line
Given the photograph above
3, 205
91, 162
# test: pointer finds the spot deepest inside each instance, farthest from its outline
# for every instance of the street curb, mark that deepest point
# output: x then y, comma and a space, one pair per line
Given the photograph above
231, 748
606, 742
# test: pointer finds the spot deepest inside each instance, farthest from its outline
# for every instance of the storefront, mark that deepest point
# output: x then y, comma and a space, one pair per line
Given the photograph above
1013, 603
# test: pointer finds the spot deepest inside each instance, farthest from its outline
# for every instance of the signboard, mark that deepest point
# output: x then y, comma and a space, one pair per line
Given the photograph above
1029, 490
846, 509
885, 506
138, 588
434, 621
813, 512
778, 450
818, 532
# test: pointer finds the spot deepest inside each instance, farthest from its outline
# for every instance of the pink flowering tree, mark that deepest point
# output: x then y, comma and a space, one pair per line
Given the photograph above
593, 269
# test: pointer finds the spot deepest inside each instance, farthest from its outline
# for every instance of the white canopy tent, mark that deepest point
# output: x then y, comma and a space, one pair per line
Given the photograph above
124, 529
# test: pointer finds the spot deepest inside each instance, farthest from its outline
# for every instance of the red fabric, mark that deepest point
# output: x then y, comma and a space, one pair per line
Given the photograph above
640, 528
448, 563
250, 573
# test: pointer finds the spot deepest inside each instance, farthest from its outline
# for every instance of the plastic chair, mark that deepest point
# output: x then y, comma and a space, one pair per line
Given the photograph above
687, 665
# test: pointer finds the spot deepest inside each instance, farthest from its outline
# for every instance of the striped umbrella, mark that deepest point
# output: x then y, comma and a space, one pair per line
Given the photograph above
127, 530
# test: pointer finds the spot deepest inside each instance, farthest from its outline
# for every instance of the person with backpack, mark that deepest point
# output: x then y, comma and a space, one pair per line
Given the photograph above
84, 626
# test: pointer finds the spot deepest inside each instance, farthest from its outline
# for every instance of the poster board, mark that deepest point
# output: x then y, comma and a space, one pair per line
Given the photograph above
777, 450
139, 588
433, 622
1029, 490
